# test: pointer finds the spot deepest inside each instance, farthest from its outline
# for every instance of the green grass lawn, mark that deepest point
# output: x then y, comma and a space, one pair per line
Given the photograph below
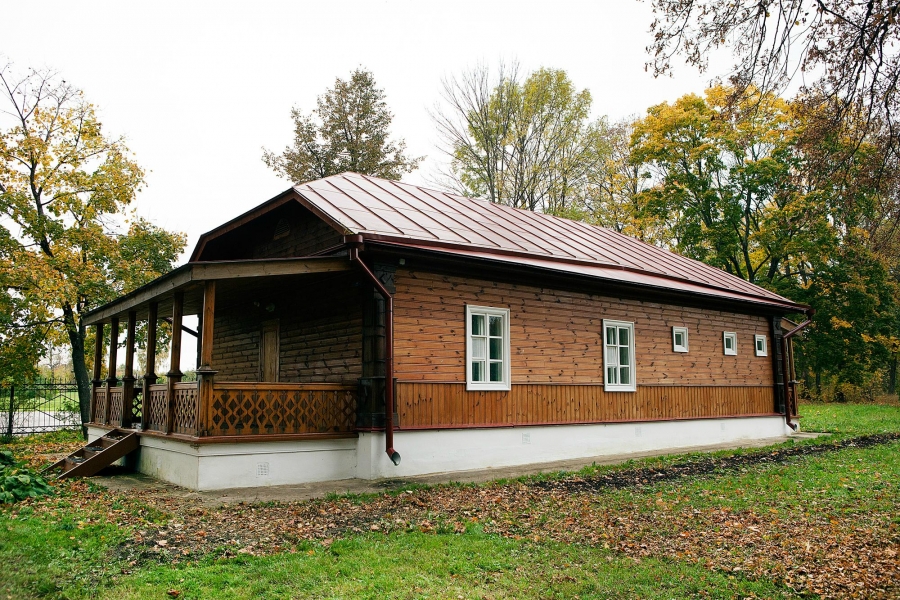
855, 419
417, 565
764, 530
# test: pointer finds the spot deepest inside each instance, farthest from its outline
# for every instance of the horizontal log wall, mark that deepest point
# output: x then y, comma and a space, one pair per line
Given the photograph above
449, 404
320, 330
305, 235
290, 230
556, 335
321, 341
557, 357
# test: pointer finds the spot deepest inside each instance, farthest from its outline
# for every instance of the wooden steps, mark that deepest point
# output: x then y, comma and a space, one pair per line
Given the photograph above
93, 457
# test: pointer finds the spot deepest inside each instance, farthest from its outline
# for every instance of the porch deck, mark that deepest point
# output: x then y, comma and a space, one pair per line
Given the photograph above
228, 411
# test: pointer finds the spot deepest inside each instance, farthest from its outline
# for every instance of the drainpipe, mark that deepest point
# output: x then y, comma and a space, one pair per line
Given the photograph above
786, 371
355, 243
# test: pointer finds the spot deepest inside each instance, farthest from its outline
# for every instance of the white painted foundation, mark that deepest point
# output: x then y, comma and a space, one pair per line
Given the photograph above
233, 465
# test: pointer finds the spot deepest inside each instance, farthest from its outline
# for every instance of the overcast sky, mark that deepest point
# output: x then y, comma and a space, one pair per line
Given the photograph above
199, 88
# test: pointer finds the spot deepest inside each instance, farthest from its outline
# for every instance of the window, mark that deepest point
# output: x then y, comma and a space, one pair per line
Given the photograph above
729, 342
487, 348
618, 356
679, 339
760, 342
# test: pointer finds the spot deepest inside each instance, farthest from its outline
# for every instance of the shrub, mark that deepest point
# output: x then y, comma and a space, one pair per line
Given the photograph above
17, 482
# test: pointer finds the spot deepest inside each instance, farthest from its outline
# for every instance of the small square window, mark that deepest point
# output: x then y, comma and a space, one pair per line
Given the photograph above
729, 343
680, 339
760, 341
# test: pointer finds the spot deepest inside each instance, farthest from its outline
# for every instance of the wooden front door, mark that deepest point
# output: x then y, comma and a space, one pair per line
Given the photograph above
268, 351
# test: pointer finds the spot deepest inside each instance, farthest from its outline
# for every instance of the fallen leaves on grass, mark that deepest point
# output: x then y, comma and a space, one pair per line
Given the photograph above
834, 551
831, 549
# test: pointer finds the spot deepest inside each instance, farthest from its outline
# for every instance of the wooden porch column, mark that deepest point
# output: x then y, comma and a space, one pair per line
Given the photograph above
128, 378
778, 365
205, 373
150, 371
111, 380
174, 373
98, 369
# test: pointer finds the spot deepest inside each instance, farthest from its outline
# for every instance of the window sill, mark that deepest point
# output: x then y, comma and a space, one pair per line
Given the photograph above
487, 387
619, 388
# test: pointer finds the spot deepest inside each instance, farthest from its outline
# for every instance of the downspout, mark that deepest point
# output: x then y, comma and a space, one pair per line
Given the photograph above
354, 243
786, 372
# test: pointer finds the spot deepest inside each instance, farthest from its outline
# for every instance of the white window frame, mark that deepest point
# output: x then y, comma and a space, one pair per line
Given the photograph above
765, 345
733, 336
682, 347
488, 311
607, 360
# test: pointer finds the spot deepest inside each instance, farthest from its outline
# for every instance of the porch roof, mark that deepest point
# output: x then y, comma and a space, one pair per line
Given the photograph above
189, 279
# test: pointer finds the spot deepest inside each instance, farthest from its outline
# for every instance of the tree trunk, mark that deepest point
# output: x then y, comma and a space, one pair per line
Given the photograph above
892, 376
76, 333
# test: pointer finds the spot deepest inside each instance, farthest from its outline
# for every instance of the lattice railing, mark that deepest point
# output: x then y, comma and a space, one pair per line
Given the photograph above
280, 408
187, 407
136, 405
116, 395
158, 407
99, 404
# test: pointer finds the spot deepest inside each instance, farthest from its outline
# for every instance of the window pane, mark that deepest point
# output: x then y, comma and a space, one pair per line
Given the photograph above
496, 349
496, 371
624, 375
478, 347
729, 342
611, 336
760, 344
611, 375
624, 359
623, 336
679, 338
612, 355
477, 324
496, 326
477, 371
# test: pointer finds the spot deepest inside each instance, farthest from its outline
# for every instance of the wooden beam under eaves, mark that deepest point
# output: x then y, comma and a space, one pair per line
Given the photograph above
183, 276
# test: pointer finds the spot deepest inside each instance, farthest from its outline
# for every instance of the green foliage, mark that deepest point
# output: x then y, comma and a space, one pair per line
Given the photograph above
752, 186
17, 482
67, 243
527, 143
348, 131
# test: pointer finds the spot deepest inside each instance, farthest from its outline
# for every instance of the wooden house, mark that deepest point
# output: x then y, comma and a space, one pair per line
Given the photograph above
352, 320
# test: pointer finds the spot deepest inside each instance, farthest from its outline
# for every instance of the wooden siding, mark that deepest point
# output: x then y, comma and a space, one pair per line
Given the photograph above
556, 335
320, 330
290, 230
428, 404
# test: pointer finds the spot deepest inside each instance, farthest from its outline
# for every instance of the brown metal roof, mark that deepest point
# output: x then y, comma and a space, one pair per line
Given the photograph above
405, 214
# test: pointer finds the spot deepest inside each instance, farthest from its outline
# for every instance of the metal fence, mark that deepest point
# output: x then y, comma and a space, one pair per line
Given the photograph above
38, 406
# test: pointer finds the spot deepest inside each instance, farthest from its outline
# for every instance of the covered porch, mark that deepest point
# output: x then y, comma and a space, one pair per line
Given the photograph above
286, 349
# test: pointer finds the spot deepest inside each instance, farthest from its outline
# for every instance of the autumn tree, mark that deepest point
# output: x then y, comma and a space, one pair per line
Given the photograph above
723, 176
348, 131
739, 186
527, 142
66, 242
615, 198
847, 52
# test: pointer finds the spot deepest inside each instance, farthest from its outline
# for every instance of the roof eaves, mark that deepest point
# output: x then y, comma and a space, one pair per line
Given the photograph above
463, 250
